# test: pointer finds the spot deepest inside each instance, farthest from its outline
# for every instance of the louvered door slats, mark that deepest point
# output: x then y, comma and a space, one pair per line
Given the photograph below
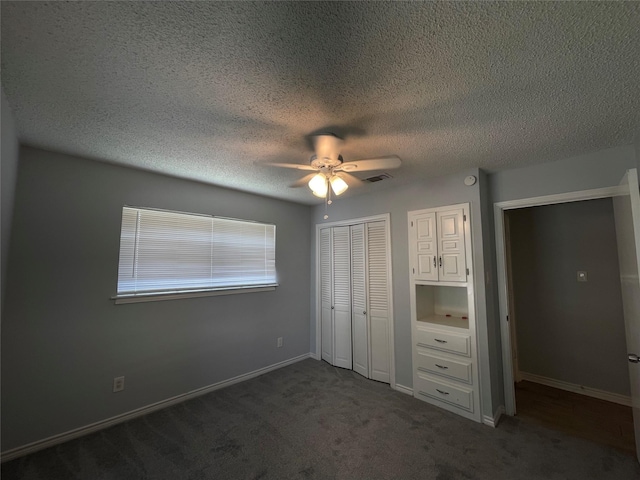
355, 298
359, 325
342, 351
378, 298
326, 317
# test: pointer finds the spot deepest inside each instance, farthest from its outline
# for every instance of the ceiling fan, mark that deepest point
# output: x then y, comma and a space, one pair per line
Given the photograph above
330, 168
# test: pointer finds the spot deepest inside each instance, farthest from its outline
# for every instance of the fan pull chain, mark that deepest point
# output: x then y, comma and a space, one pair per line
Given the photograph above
327, 200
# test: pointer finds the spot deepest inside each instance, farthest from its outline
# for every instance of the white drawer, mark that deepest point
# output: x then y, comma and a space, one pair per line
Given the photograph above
428, 388
445, 341
455, 369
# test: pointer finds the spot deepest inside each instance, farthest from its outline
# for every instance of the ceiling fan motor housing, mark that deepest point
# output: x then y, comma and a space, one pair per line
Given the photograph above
325, 162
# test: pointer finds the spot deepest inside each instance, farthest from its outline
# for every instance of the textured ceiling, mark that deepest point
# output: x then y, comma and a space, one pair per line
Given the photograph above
208, 91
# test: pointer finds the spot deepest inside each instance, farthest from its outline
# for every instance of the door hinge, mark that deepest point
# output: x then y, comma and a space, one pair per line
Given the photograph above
412, 223
507, 318
467, 271
464, 218
414, 270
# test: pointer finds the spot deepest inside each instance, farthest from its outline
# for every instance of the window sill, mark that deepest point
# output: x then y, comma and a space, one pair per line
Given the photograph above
177, 295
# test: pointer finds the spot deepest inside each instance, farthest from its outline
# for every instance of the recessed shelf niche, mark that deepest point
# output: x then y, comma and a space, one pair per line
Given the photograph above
442, 305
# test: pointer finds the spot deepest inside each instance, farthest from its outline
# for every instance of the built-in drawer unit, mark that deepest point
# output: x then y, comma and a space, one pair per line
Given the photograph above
445, 392
446, 341
455, 369
444, 348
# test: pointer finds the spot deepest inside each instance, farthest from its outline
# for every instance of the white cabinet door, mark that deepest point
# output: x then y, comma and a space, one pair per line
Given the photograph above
423, 234
627, 217
326, 289
359, 326
378, 300
438, 246
341, 298
451, 247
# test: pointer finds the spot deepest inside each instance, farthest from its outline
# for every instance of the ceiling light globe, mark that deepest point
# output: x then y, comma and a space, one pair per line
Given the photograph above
338, 185
318, 185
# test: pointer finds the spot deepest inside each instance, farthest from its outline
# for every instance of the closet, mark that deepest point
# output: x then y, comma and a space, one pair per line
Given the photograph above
355, 299
444, 347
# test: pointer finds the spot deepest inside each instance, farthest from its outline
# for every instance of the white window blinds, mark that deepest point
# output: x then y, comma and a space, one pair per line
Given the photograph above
165, 252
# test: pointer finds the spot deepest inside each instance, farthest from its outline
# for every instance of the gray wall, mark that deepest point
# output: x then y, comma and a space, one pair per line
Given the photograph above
63, 339
491, 291
569, 330
397, 201
8, 174
603, 168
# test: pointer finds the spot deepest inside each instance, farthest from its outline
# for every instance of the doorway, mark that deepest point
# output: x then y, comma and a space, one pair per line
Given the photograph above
354, 301
567, 320
626, 199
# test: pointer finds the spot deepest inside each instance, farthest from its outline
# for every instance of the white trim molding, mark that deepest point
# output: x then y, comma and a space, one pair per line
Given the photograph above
581, 389
109, 422
493, 421
403, 389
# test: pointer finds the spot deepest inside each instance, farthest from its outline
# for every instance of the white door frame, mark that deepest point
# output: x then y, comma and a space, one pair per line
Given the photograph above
386, 218
505, 327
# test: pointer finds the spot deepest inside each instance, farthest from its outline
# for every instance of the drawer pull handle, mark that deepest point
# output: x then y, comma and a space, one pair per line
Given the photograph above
442, 367
434, 262
442, 392
440, 341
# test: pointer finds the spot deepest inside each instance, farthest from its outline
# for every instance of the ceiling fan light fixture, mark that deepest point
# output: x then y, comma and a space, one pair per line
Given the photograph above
318, 185
338, 185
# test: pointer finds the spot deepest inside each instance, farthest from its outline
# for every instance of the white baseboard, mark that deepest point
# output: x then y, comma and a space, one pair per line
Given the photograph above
315, 356
572, 387
493, 421
94, 427
403, 389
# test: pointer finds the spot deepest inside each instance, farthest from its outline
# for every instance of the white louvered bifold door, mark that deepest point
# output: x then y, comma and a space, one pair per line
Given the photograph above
326, 287
359, 327
341, 298
378, 299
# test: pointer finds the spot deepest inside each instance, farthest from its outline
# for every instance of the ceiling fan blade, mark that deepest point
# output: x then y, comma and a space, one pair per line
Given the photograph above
350, 179
297, 166
327, 145
382, 163
303, 181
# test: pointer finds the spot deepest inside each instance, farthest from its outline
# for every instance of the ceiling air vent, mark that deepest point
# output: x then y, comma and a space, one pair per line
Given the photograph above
377, 178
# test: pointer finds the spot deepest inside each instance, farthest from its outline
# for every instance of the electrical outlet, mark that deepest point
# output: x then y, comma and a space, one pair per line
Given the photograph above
280, 342
118, 384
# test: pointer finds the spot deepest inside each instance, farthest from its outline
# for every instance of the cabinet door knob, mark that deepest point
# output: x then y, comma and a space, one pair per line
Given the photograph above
364, 312
331, 307
440, 260
633, 358
434, 261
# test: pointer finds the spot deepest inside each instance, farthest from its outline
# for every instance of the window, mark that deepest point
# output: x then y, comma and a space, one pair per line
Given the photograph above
164, 252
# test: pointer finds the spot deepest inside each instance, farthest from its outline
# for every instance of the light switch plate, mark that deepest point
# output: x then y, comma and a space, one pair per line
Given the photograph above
582, 276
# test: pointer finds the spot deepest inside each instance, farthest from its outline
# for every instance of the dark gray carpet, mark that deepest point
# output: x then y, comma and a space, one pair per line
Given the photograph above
310, 420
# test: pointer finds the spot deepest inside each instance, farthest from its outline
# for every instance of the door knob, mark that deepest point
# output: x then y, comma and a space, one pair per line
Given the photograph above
633, 358
331, 307
364, 312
